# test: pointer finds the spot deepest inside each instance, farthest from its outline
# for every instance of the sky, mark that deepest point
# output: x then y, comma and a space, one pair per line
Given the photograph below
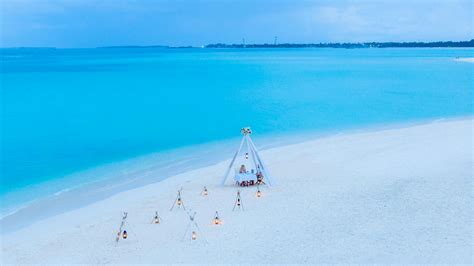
93, 23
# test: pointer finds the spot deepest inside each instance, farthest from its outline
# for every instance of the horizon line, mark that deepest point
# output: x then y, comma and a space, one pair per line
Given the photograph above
255, 45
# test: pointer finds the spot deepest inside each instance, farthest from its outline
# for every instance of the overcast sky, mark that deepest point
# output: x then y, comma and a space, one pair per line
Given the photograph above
92, 23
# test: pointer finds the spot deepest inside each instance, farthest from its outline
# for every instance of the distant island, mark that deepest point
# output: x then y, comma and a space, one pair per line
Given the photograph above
439, 44
350, 45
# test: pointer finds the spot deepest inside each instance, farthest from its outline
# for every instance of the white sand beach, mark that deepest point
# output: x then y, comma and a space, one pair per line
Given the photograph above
465, 59
400, 195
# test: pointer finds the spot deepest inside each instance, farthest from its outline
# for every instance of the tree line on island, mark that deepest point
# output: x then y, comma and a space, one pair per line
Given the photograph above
439, 44
349, 45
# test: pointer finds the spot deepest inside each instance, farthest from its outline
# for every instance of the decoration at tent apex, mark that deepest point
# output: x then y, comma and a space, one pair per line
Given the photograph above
246, 131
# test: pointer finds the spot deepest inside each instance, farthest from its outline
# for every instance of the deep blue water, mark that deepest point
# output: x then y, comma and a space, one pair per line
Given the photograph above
65, 110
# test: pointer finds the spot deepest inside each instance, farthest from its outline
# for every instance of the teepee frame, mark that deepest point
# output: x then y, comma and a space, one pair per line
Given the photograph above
193, 226
121, 229
238, 202
255, 157
178, 201
156, 218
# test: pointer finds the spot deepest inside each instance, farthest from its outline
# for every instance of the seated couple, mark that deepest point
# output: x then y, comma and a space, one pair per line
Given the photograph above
259, 176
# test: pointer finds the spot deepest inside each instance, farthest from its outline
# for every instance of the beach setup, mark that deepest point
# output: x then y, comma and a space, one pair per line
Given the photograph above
249, 169
258, 175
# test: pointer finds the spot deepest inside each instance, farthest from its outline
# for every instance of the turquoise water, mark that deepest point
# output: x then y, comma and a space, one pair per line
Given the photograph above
66, 110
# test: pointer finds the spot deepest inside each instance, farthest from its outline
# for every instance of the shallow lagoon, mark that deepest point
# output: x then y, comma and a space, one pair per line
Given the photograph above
68, 110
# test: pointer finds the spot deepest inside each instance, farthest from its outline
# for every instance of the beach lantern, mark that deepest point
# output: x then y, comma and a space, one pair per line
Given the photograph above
238, 202
178, 201
217, 221
193, 235
122, 233
246, 155
156, 219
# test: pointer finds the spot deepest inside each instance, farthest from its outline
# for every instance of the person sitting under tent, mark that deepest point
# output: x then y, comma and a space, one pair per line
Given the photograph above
242, 169
260, 178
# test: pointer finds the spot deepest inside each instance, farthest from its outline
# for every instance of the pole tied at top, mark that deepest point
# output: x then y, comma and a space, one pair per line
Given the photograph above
246, 131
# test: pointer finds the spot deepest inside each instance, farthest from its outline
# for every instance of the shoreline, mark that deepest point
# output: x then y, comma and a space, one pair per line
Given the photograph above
465, 59
365, 197
146, 162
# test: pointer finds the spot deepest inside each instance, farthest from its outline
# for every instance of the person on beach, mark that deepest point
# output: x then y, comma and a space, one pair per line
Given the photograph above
260, 178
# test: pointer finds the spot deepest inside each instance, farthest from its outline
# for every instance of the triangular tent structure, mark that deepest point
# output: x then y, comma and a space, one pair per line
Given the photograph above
256, 168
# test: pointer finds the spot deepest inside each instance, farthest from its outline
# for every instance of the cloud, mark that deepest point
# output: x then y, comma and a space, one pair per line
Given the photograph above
78, 23
392, 21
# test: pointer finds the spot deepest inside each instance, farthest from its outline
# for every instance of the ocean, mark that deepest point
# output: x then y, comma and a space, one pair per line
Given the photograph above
76, 117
